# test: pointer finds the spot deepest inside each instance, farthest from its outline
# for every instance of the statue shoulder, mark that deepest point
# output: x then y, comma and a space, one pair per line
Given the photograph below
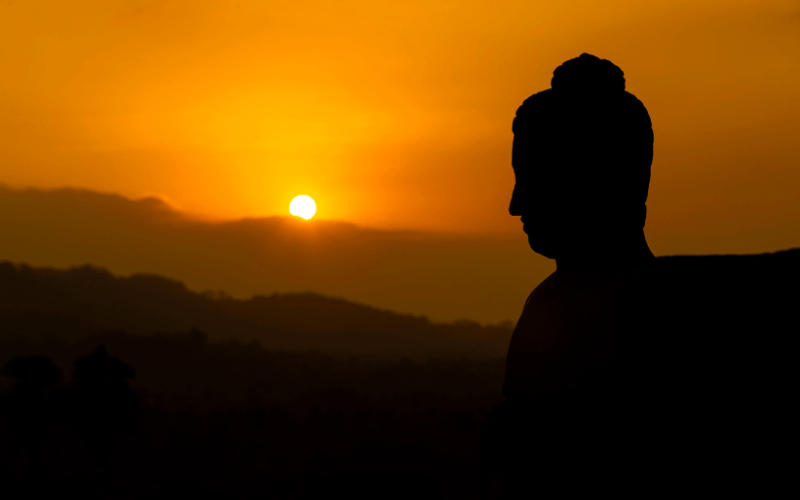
539, 294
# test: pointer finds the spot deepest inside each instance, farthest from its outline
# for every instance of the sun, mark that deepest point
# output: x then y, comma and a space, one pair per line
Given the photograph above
303, 206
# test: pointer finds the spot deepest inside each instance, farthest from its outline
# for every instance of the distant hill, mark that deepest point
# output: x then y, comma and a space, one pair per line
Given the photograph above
444, 277
76, 303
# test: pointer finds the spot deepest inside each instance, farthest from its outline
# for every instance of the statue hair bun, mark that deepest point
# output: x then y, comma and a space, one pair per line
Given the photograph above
588, 74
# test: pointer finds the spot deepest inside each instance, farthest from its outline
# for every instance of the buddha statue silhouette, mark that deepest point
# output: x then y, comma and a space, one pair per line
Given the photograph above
621, 359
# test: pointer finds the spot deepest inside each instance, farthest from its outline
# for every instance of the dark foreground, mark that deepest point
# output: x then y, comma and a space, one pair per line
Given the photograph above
177, 416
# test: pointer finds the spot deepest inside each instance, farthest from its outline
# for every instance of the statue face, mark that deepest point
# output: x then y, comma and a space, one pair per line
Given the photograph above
546, 210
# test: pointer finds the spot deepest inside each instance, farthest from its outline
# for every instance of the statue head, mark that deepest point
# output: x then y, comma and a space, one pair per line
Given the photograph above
581, 155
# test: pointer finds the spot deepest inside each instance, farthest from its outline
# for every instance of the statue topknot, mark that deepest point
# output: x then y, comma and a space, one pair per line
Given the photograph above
588, 73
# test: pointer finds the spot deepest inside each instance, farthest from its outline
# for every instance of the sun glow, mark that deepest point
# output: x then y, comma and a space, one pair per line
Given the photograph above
303, 206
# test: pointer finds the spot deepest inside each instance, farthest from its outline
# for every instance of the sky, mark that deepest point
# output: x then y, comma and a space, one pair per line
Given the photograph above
390, 114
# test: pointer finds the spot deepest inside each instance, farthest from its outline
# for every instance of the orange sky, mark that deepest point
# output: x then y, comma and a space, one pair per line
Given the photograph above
397, 114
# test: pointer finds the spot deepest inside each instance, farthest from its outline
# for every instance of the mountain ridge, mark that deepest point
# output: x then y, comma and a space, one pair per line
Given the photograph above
444, 277
72, 304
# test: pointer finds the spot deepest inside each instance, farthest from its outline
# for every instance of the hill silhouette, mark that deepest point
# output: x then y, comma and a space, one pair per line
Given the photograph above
152, 416
444, 277
73, 304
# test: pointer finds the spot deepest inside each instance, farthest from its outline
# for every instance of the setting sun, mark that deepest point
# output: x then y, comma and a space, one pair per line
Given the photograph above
303, 206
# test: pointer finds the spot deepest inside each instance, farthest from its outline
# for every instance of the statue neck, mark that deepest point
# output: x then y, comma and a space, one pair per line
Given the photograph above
605, 253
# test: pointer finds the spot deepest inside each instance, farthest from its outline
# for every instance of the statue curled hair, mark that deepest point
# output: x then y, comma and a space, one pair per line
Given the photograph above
587, 132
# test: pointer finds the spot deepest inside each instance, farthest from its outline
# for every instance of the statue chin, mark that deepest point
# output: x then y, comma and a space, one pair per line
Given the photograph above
542, 246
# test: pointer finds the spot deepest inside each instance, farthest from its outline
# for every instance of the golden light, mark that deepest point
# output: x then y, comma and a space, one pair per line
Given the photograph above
303, 206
